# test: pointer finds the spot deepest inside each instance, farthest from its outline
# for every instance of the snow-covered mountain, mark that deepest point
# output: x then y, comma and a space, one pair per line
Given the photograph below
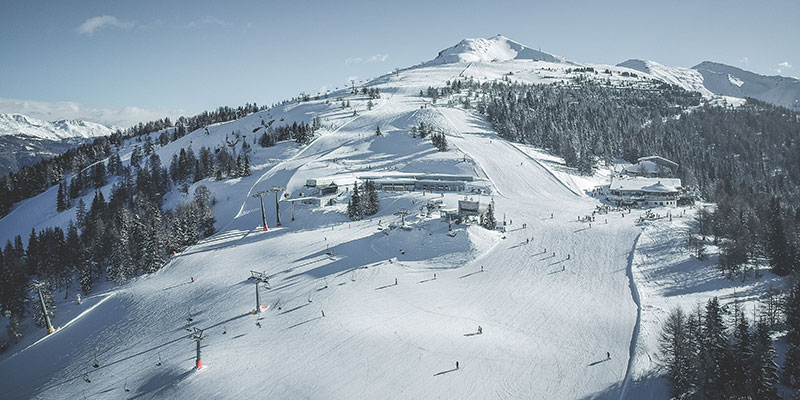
686, 78
369, 309
727, 80
710, 78
23, 125
496, 48
24, 140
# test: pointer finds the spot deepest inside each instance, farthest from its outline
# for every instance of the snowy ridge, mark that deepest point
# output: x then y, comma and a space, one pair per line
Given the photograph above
496, 48
727, 80
23, 125
685, 78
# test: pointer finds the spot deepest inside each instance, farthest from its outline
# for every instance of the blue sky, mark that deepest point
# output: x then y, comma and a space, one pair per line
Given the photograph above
199, 55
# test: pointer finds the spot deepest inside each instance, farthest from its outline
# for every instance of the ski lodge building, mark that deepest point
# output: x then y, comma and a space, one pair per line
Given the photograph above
395, 182
637, 191
419, 182
652, 166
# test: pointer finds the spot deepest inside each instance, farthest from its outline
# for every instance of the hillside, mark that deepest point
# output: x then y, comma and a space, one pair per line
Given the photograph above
567, 308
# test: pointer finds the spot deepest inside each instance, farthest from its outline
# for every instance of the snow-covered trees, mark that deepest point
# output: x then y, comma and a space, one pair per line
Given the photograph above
205, 215
371, 200
704, 360
364, 201
488, 220
439, 141
354, 207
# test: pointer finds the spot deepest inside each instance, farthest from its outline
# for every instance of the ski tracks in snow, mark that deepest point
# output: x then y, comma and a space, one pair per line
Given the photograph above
637, 326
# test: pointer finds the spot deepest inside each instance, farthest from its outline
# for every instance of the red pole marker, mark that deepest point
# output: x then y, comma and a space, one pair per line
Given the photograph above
199, 364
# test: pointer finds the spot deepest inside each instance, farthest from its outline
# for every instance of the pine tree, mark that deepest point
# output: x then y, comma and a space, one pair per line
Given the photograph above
714, 351
205, 216
354, 210
121, 260
791, 366
378, 131
764, 371
439, 141
371, 200
61, 204
80, 215
247, 170
676, 353
488, 220
743, 352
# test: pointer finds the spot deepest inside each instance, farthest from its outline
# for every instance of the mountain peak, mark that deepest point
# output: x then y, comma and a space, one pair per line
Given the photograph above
21, 124
495, 48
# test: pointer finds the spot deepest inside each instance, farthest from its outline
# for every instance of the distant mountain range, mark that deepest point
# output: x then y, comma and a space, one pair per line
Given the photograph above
25, 140
708, 78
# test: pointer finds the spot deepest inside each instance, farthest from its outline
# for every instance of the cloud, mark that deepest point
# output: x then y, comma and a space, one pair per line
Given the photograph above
110, 116
207, 20
93, 24
378, 58
374, 59
785, 64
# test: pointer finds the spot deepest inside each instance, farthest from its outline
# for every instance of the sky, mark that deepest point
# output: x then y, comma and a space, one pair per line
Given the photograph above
186, 57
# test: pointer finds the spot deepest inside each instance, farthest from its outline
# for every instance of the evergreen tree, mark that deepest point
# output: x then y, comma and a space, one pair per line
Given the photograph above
791, 366
80, 215
378, 131
743, 352
121, 261
61, 203
371, 200
488, 220
714, 351
676, 353
354, 210
439, 141
764, 371
205, 215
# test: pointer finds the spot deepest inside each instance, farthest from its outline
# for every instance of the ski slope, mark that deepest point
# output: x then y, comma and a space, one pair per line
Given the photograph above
401, 307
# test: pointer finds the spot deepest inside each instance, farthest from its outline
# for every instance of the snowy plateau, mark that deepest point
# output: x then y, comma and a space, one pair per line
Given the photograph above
363, 309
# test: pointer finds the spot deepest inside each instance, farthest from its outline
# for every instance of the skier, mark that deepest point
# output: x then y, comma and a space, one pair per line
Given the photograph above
434, 276
527, 241
395, 281
481, 268
568, 256
323, 313
608, 355
192, 279
456, 364
79, 298
480, 330
563, 268
551, 215
258, 324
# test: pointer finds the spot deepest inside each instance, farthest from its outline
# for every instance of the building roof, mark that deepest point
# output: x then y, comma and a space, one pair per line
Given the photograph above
653, 185
659, 160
